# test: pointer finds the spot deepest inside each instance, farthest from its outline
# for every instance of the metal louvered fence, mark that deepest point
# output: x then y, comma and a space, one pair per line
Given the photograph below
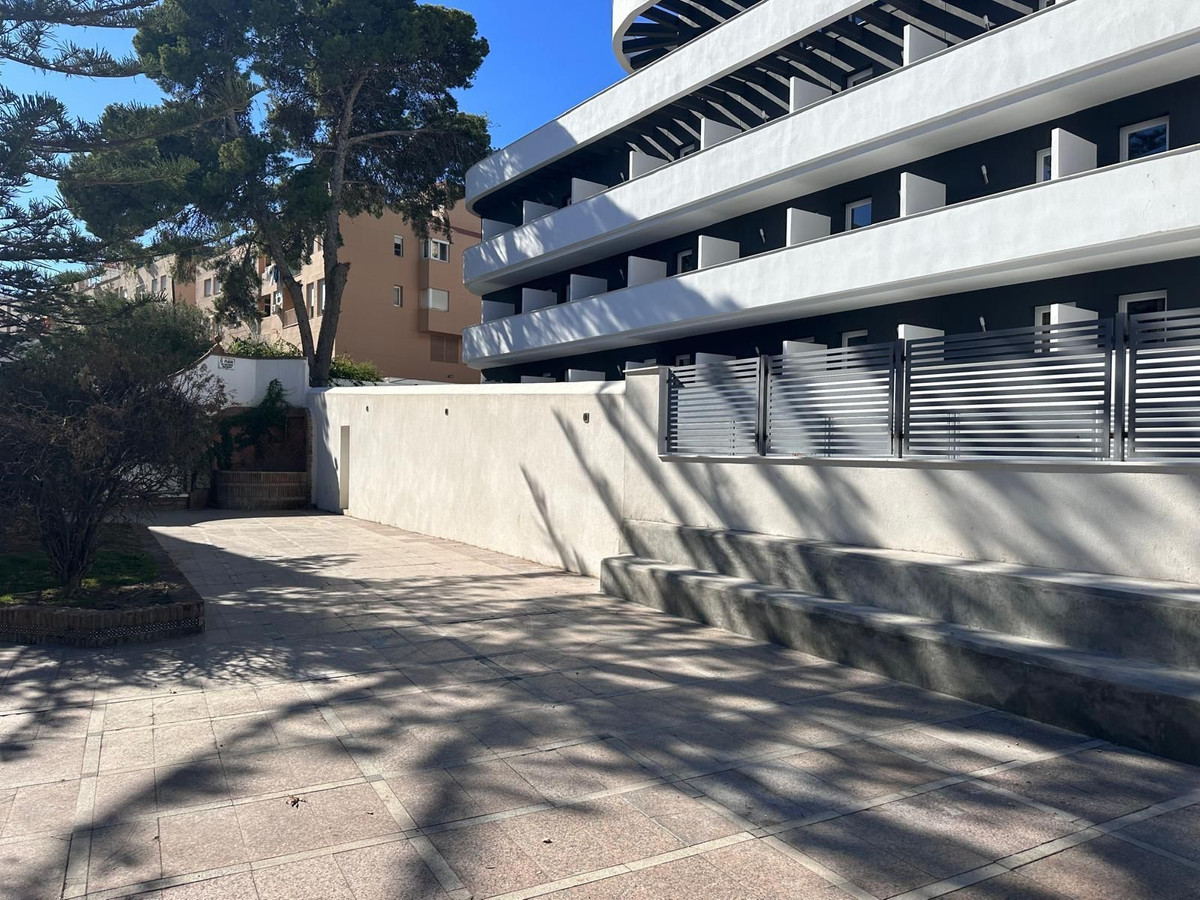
1106, 389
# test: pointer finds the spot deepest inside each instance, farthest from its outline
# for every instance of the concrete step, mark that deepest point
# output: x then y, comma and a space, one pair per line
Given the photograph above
1149, 706
1154, 621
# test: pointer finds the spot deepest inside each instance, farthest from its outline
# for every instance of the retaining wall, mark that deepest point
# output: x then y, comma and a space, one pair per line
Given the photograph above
515, 468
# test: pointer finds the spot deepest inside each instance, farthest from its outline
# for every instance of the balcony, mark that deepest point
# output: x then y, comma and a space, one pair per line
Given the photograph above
1064, 60
1124, 215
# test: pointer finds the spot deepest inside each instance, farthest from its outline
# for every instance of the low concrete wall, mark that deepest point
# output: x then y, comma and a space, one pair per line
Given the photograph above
515, 469
530, 470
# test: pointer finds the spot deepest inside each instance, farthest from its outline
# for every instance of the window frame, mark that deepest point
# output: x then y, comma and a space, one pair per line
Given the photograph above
427, 299
1042, 157
856, 205
849, 336
689, 253
208, 287
1124, 300
310, 298
427, 250
398, 296
398, 246
1130, 130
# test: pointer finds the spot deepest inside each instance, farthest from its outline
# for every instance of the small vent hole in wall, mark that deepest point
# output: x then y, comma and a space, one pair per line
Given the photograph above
587, 417
445, 412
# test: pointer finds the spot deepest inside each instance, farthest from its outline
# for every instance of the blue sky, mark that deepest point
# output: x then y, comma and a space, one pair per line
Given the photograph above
546, 56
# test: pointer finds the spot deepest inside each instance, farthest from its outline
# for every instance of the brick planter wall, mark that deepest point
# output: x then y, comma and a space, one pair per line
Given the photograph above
100, 627
261, 490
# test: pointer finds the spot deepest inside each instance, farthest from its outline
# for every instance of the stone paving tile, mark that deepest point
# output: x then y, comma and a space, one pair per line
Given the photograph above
392, 871
1109, 869
34, 869
1101, 784
592, 735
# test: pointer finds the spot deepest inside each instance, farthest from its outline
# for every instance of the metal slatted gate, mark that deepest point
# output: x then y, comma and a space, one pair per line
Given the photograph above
712, 409
832, 403
1164, 385
1040, 392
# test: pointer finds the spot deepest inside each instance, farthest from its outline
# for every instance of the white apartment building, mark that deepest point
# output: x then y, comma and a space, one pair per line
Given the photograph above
870, 186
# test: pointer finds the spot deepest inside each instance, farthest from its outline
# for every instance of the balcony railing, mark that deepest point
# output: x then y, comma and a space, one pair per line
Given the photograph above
1108, 389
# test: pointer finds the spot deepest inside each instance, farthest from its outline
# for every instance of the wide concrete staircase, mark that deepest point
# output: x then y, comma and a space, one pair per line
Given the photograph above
1117, 658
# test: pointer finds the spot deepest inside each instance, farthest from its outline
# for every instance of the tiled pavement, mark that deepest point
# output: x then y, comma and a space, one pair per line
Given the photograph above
375, 714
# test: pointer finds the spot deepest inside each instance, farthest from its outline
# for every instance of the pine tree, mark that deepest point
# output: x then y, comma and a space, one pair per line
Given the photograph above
310, 110
37, 233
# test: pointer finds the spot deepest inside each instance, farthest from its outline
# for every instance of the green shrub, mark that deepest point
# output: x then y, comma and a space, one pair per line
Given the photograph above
257, 348
347, 369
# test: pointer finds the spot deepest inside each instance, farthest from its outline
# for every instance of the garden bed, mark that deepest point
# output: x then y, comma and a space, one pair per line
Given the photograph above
133, 592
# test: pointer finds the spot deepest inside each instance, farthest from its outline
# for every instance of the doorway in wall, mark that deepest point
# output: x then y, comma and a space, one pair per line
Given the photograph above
344, 469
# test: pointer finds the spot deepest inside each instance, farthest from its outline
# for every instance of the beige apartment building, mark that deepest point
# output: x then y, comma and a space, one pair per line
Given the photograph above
404, 307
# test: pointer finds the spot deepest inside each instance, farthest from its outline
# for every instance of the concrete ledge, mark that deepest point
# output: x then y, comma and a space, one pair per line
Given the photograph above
1138, 619
1153, 708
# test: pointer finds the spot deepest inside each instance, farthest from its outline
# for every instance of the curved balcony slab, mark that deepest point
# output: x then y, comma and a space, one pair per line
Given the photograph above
1062, 60
769, 26
1131, 214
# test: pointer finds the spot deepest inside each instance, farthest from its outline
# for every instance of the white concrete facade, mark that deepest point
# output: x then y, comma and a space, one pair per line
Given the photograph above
1123, 215
548, 472
1065, 59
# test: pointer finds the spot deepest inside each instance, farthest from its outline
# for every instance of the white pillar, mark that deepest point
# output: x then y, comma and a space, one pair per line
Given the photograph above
581, 190
803, 226
1061, 314
494, 309
1070, 154
536, 379
705, 359
643, 163
494, 228
582, 286
916, 332
919, 44
584, 375
531, 299
714, 251
531, 211
643, 271
805, 93
713, 132
919, 194
796, 348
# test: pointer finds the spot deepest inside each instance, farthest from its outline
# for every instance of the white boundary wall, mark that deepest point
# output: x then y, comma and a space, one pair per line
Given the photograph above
246, 380
516, 469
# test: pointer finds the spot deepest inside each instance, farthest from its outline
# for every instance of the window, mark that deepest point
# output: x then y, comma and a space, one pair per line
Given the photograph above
859, 77
154, 285
855, 338
858, 214
443, 348
1045, 165
439, 250
685, 261
277, 301
397, 295
207, 287
1145, 139
310, 292
1149, 302
436, 299
216, 287
397, 245
321, 297
684, 359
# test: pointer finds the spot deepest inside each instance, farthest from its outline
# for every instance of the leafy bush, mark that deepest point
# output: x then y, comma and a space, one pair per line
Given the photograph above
257, 348
346, 369
97, 421
253, 427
